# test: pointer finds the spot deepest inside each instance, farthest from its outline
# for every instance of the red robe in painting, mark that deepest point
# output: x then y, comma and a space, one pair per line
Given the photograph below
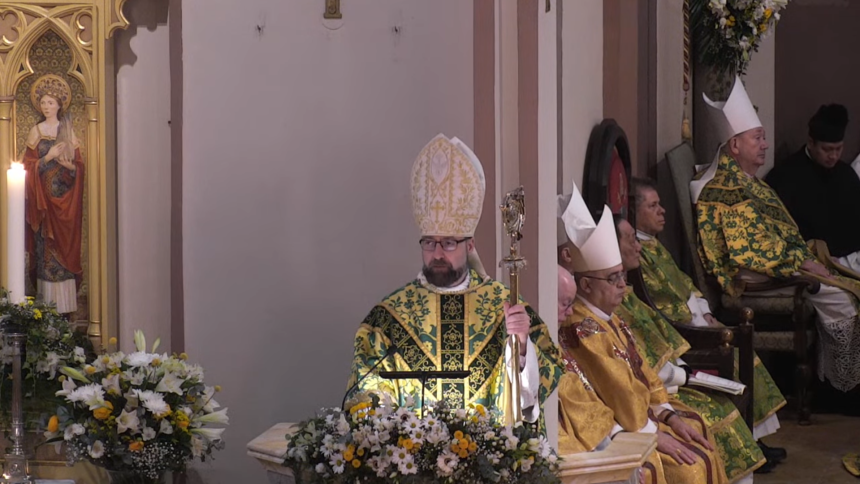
54, 215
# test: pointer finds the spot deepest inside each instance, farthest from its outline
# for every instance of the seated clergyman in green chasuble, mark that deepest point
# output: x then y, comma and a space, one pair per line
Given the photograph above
662, 347
452, 316
678, 299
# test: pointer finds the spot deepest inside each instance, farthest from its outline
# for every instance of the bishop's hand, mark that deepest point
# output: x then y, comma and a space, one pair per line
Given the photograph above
517, 322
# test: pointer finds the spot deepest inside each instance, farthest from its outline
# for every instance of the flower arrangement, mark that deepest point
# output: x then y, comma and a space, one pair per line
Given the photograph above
144, 413
51, 344
374, 441
728, 31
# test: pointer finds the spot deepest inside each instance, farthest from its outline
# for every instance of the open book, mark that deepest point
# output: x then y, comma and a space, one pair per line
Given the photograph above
706, 380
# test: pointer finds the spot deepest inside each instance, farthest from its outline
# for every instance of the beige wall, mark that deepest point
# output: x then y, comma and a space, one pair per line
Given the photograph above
816, 63
670, 75
582, 84
298, 143
143, 173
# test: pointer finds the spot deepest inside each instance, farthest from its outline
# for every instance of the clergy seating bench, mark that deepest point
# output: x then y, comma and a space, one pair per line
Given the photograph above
783, 323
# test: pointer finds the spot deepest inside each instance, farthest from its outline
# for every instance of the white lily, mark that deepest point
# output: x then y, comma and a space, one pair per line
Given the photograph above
170, 384
127, 421
211, 435
219, 417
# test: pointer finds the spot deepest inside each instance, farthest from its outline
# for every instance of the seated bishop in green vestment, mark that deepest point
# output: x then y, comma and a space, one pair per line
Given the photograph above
662, 347
678, 299
452, 316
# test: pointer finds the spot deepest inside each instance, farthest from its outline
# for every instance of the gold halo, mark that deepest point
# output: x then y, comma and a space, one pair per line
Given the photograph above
53, 85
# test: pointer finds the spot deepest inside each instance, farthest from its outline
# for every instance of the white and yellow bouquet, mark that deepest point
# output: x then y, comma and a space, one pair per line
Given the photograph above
379, 442
727, 32
142, 413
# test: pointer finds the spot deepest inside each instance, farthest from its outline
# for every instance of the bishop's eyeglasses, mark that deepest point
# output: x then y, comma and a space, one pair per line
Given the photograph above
615, 278
448, 245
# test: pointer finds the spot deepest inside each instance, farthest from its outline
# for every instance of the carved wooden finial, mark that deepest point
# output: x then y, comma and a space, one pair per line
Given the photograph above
747, 314
727, 337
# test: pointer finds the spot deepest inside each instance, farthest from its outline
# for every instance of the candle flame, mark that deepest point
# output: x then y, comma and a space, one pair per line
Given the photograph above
17, 166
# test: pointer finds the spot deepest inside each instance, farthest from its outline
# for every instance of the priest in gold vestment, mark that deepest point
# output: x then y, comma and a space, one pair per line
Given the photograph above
604, 347
747, 235
662, 347
677, 298
452, 316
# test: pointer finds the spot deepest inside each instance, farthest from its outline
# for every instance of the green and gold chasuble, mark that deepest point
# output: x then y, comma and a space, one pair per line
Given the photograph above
743, 224
449, 332
658, 342
668, 287
670, 290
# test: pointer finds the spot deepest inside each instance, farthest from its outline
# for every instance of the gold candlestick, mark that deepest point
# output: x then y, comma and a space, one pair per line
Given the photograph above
513, 216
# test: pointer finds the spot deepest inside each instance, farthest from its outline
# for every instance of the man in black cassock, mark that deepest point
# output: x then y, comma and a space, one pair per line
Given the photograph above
820, 191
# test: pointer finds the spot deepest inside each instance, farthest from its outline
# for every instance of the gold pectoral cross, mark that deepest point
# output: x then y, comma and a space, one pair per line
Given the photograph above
332, 9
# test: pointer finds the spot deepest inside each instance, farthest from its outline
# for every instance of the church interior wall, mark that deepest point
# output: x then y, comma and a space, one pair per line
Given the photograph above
299, 137
816, 63
143, 172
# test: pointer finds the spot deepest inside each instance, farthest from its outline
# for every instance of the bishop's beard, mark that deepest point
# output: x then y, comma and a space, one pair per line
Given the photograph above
441, 273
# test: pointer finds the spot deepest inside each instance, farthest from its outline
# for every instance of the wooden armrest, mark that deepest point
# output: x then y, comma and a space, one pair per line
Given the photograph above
626, 453
705, 336
799, 283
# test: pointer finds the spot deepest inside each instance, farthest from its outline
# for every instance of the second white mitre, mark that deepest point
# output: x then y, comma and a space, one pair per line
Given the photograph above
596, 243
731, 118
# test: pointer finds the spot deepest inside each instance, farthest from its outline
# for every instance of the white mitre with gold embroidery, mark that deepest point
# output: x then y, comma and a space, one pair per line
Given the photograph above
596, 244
448, 189
734, 116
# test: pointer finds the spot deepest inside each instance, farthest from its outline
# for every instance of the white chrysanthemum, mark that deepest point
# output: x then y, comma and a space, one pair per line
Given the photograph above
49, 365
544, 449
80, 355
407, 466
97, 449
320, 468
127, 421
417, 436
400, 454
337, 463
139, 359
511, 440
194, 372
166, 428
526, 464
382, 466
460, 414
148, 433
155, 404
412, 423
93, 395
73, 430
447, 463
170, 384
133, 376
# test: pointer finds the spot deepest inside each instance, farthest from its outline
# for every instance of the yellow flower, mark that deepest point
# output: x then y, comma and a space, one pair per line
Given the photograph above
481, 410
112, 340
408, 444
348, 455
464, 446
360, 452
473, 447
62, 378
183, 356
217, 388
135, 446
458, 435
356, 463
102, 413
53, 424
37, 314
455, 448
768, 13
105, 359
762, 28
90, 369
463, 454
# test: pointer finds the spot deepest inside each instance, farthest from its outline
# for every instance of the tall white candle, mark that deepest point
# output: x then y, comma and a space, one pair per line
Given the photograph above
15, 249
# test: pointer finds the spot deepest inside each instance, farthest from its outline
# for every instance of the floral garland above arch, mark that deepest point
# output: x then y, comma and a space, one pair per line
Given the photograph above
727, 32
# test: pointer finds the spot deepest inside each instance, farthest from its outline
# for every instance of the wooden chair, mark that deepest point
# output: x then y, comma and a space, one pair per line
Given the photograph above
606, 182
783, 323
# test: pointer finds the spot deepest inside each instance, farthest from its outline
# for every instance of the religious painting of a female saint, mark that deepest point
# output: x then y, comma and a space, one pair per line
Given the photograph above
54, 196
